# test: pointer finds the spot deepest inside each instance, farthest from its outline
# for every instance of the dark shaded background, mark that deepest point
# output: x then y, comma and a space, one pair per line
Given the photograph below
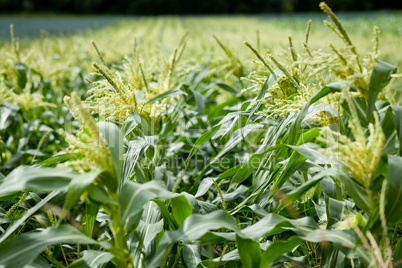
155, 7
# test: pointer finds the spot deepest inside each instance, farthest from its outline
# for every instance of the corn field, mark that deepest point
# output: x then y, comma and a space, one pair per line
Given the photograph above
203, 142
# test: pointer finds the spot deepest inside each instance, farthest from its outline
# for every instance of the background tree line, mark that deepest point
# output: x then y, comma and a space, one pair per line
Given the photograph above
155, 7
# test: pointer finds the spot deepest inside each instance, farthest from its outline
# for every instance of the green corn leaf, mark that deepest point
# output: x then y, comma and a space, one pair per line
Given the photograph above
134, 196
340, 237
355, 190
220, 109
345, 238
310, 151
77, 187
22, 75
203, 139
37, 179
193, 228
199, 101
295, 160
136, 149
99, 194
181, 209
204, 187
148, 234
277, 249
95, 258
89, 219
274, 224
248, 168
114, 139
32, 244
389, 130
334, 209
249, 251
393, 207
300, 190
132, 121
380, 77
192, 255
8, 112
79, 264
169, 93
227, 87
